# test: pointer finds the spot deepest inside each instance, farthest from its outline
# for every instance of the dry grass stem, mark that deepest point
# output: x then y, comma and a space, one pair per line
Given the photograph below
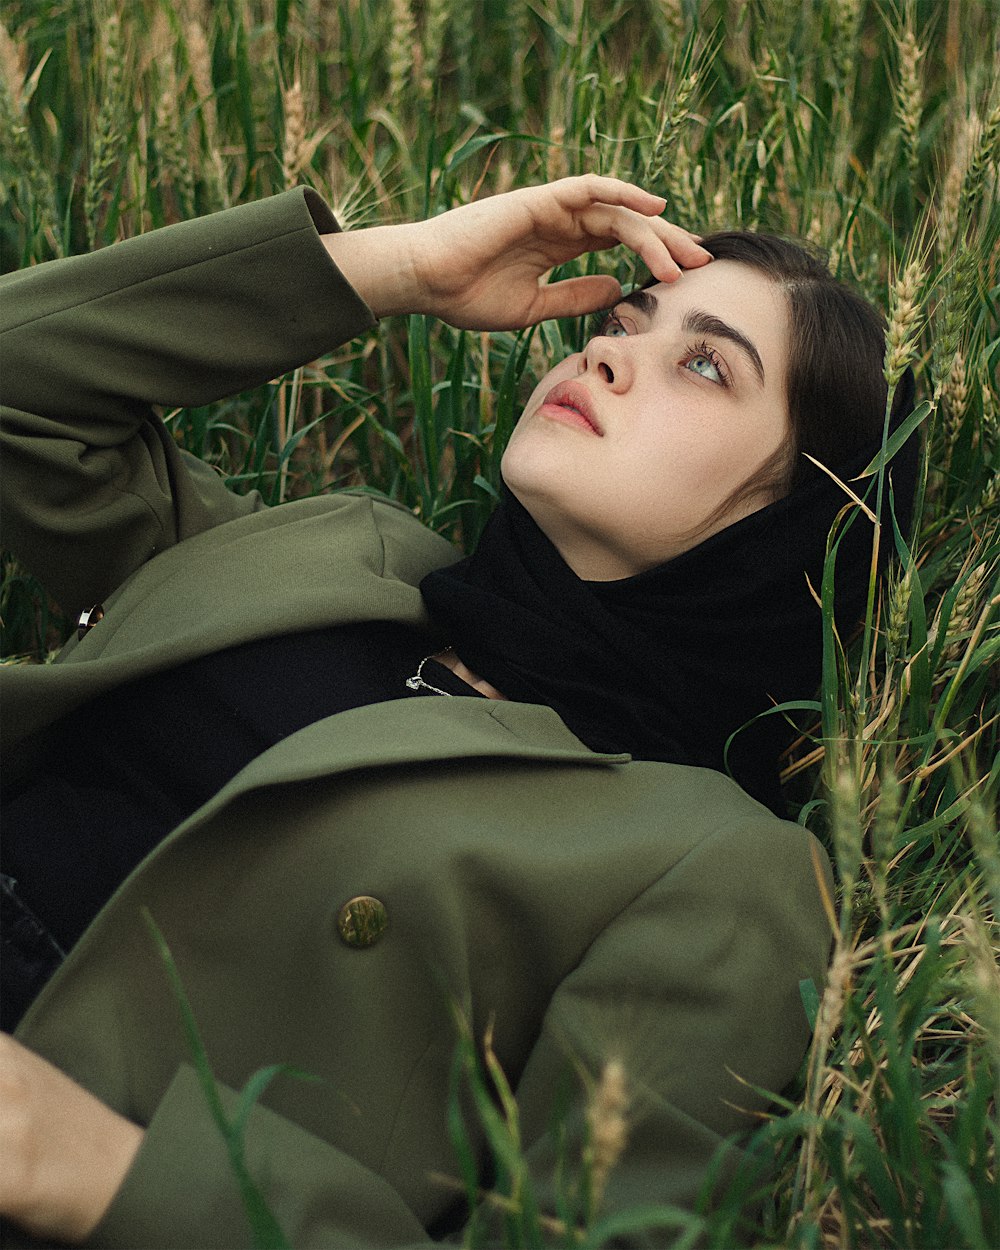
905, 318
402, 42
200, 64
293, 146
435, 28
909, 91
608, 1129
13, 65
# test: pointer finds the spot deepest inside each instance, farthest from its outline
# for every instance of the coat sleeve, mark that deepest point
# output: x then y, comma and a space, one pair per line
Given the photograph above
94, 485
181, 1190
692, 987
695, 989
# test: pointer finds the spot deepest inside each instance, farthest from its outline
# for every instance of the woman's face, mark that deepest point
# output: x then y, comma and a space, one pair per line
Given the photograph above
625, 449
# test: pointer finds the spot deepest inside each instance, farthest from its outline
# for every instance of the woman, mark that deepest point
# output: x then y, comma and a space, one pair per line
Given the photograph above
441, 815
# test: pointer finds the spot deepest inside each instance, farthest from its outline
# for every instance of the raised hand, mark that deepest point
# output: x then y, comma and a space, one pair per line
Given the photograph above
481, 266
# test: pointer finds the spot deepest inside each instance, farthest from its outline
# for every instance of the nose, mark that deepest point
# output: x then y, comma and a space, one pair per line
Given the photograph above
609, 360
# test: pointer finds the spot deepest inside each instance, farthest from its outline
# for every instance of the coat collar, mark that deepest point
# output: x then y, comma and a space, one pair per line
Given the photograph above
412, 731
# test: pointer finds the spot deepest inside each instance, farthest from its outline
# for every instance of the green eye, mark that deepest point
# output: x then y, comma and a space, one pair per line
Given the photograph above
704, 366
606, 325
701, 359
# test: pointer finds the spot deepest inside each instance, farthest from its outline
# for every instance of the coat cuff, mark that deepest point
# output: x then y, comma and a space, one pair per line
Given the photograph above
181, 1190
325, 223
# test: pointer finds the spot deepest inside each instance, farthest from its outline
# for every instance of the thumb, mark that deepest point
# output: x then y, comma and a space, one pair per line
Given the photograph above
575, 296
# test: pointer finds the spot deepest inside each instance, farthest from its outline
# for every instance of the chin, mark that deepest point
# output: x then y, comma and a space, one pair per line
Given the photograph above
529, 487
531, 480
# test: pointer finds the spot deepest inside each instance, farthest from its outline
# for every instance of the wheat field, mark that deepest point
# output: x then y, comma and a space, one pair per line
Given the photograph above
869, 129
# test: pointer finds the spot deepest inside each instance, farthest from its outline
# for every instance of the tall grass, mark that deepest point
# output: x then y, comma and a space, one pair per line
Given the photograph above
869, 128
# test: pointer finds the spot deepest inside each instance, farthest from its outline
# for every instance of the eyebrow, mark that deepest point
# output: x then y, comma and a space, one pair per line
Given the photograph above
697, 321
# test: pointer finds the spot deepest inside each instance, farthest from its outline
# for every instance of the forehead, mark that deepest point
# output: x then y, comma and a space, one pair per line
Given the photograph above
743, 297
736, 287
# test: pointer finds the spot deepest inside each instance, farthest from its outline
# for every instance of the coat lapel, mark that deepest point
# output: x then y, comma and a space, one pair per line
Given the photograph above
396, 734
309, 564
401, 733
412, 731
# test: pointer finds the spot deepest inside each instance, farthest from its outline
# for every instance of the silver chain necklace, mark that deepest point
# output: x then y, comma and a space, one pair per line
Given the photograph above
416, 682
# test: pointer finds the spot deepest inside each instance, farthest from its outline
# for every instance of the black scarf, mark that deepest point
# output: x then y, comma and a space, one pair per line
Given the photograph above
669, 663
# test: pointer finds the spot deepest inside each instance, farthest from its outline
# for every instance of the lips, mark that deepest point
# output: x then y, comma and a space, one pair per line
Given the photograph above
570, 402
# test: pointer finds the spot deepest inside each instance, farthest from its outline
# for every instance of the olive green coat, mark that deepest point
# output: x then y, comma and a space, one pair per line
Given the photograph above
583, 906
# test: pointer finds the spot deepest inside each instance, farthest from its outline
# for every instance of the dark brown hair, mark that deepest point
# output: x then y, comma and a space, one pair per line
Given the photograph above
834, 385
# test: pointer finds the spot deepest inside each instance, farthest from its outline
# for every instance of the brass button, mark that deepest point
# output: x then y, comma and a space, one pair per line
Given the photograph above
362, 921
88, 619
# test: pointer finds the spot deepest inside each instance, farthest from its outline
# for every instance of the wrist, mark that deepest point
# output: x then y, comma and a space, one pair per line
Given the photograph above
65, 1152
378, 262
114, 1154
71, 1196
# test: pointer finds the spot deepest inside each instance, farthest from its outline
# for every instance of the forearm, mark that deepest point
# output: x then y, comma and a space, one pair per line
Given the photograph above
179, 316
93, 483
76, 1171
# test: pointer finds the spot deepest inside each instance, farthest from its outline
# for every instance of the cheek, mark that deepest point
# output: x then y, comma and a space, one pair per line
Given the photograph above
514, 462
522, 432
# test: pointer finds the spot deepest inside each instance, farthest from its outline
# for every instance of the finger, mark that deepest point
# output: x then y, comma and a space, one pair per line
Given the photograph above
665, 248
658, 258
574, 297
590, 189
639, 235
684, 246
